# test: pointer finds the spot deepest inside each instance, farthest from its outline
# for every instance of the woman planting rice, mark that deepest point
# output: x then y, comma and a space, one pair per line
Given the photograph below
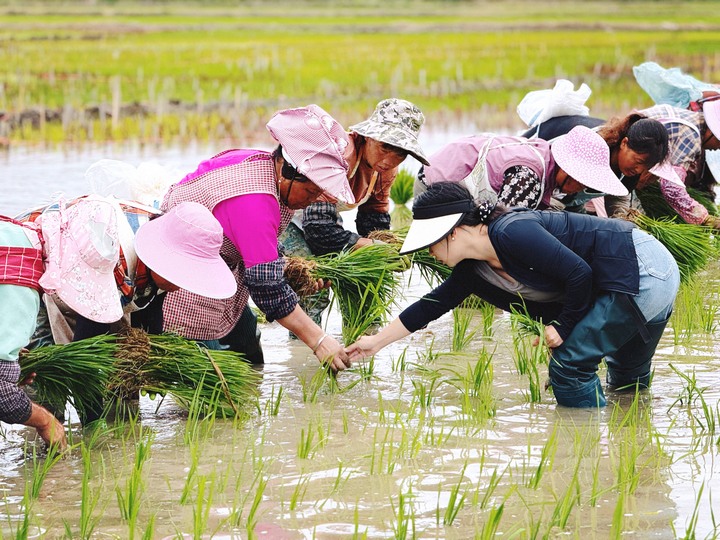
523, 172
376, 148
180, 249
253, 195
607, 287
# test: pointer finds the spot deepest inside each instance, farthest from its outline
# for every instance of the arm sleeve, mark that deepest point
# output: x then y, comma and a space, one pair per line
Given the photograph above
680, 200
270, 290
544, 254
372, 221
251, 222
521, 187
323, 229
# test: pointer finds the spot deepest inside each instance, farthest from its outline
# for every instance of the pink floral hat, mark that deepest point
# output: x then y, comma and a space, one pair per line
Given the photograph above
82, 251
183, 246
314, 142
585, 156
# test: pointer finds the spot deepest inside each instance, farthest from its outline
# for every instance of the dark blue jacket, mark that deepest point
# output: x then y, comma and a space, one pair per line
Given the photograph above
577, 254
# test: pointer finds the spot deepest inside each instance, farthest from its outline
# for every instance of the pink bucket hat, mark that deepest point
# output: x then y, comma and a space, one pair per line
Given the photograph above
585, 156
183, 246
314, 143
82, 251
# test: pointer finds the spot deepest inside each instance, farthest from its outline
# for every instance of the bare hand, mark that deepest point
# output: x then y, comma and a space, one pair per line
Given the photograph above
331, 352
362, 348
552, 338
48, 427
29, 379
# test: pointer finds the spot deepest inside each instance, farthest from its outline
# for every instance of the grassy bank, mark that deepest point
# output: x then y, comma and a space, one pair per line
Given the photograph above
164, 71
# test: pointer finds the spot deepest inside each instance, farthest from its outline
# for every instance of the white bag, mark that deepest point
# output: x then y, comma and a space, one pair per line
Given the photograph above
146, 183
562, 100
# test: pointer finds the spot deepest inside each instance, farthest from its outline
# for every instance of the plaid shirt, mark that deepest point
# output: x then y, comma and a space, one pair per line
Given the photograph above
684, 129
685, 141
15, 405
197, 317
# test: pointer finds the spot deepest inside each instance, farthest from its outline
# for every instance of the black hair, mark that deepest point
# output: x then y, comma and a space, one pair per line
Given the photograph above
484, 211
644, 135
648, 136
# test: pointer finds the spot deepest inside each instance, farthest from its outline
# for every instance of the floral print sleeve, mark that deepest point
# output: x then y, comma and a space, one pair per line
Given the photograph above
521, 187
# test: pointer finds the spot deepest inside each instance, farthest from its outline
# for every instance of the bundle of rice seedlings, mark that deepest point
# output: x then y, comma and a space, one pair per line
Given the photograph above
654, 204
78, 371
188, 371
401, 192
691, 245
364, 282
117, 367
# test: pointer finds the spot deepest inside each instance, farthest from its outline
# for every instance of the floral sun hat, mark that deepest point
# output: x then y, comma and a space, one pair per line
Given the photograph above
82, 251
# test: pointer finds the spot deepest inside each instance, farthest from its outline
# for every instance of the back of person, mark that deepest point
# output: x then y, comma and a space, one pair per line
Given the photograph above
560, 125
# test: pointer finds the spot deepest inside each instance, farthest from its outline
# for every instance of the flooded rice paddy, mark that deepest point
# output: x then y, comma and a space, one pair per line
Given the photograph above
426, 444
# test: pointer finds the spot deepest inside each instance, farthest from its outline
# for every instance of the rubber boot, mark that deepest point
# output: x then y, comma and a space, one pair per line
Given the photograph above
573, 367
629, 367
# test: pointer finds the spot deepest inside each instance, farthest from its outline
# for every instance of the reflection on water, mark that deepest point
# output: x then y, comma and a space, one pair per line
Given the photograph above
372, 461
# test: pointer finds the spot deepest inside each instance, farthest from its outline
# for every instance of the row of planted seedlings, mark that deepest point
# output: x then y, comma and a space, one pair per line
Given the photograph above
433, 439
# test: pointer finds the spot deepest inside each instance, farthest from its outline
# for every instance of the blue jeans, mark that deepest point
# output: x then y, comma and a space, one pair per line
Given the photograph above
611, 330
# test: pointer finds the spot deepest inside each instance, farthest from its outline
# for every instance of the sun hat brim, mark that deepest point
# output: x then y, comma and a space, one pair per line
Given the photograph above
712, 159
600, 179
666, 171
393, 135
199, 275
711, 111
426, 232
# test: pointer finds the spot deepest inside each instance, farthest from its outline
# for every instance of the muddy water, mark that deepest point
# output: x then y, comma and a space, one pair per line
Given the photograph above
381, 464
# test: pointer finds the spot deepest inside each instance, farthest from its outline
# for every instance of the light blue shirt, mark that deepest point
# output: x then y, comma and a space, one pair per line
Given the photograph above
18, 305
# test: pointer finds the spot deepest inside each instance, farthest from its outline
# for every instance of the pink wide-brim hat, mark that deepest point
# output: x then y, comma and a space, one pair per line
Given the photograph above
183, 247
711, 110
314, 142
666, 171
585, 156
82, 251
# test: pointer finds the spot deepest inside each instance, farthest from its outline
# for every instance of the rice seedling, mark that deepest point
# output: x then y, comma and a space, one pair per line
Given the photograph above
547, 456
565, 504
401, 192
695, 310
490, 489
529, 354
492, 523
298, 493
203, 504
130, 501
462, 336
252, 519
400, 364
89, 498
692, 246
41, 468
404, 524
690, 528
455, 504
424, 392
273, 404
364, 282
692, 393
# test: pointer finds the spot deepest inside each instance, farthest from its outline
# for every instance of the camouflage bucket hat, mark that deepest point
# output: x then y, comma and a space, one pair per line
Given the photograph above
396, 122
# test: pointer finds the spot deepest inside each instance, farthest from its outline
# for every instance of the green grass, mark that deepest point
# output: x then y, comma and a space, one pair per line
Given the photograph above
467, 58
